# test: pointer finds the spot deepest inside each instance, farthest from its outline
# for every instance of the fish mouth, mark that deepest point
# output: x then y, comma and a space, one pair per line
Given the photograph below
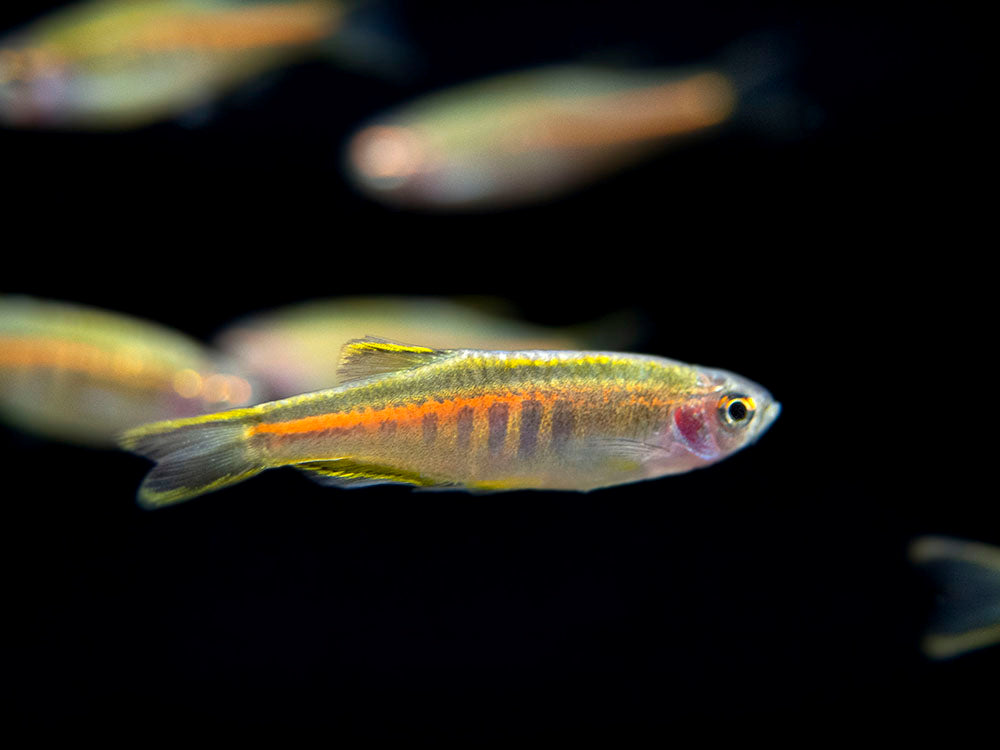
766, 418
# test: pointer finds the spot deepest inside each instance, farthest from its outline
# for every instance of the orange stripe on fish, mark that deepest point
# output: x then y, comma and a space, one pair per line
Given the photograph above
76, 356
446, 409
240, 29
131, 370
414, 412
669, 109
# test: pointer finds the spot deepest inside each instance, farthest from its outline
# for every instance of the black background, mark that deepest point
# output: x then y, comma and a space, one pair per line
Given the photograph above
771, 588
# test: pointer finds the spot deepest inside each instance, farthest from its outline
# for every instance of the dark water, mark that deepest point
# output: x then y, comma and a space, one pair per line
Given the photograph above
772, 588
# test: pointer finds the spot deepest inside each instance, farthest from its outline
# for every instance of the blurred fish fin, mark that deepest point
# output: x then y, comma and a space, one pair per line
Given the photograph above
347, 473
363, 358
247, 95
967, 577
198, 115
765, 69
371, 41
618, 331
250, 93
193, 456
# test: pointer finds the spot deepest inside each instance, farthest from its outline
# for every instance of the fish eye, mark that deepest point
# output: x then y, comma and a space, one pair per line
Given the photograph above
736, 410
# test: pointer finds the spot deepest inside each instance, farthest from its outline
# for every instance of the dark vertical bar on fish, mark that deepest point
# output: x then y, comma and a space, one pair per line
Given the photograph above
463, 424
430, 426
531, 420
562, 425
498, 414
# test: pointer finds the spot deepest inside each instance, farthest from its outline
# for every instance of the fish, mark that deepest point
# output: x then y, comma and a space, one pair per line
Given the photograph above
468, 419
967, 576
107, 65
84, 375
531, 135
297, 349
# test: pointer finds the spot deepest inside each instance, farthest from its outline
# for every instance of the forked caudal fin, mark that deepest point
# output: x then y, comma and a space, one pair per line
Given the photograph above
193, 456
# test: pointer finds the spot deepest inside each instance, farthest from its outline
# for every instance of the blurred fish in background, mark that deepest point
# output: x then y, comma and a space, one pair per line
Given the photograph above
84, 375
531, 135
967, 577
297, 349
121, 64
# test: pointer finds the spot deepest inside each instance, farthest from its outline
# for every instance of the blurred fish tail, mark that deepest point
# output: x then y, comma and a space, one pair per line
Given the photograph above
617, 331
764, 69
967, 577
193, 456
370, 41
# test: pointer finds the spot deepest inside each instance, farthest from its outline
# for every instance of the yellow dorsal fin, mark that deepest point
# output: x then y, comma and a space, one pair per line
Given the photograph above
363, 358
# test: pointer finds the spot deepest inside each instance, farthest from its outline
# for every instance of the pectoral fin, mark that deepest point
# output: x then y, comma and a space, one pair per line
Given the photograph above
621, 454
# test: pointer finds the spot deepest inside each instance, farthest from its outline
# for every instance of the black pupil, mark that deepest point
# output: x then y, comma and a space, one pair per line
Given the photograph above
737, 411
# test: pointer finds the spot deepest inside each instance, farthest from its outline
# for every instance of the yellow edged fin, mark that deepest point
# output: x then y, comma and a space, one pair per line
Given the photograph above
193, 456
363, 358
967, 577
347, 473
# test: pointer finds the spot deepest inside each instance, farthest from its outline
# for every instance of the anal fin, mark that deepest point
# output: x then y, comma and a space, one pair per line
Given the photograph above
347, 473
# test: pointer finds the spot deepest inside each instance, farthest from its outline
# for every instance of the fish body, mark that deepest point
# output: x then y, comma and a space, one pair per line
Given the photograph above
297, 349
118, 64
469, 419
529, 135
85, 375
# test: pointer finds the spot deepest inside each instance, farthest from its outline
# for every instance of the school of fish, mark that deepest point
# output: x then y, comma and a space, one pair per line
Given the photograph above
514, 138
478, 403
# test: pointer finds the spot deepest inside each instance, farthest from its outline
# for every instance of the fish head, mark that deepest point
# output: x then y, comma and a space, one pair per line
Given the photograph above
33, 86
729, 414
427, 166
403, 164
